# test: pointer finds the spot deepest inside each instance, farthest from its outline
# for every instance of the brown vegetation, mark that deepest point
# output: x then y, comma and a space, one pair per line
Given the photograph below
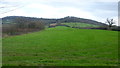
21, 26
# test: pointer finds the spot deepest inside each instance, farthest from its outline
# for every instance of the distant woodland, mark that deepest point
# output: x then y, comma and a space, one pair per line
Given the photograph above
16, 25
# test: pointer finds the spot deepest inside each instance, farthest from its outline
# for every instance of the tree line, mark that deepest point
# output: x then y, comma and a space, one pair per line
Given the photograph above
22, 25
15, 25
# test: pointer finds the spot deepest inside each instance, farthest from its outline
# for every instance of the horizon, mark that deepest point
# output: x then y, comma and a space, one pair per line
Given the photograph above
51, 18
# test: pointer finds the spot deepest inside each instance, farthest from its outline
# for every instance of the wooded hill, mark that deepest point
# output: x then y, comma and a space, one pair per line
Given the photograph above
15, 25
11, 19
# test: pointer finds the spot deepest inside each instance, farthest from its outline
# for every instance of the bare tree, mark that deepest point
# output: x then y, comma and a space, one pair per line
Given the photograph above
110, 23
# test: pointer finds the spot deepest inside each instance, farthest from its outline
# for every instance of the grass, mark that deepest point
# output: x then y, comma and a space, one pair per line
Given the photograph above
77, 24
62, 46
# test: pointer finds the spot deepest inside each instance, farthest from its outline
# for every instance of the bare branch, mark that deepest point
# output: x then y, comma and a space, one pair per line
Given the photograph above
110, 23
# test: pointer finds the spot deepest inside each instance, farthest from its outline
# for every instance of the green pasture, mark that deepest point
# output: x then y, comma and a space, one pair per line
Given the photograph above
62, 46
77, 24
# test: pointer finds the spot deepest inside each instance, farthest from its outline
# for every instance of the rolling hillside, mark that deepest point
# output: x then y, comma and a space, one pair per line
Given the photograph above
11, 19
62, 46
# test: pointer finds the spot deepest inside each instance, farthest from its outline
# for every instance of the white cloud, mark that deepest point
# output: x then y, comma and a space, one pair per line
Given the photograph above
49, 9
42, 10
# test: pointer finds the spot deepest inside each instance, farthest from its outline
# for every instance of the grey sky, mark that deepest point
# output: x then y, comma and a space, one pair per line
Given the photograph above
97, 10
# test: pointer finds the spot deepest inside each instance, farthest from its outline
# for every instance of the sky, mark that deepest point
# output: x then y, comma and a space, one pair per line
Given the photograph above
98, 10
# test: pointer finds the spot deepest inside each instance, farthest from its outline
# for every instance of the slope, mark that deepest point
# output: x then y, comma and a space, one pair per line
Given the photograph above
62, 46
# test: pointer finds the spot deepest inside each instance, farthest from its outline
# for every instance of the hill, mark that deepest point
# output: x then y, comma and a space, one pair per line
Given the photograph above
10, 19
62, 46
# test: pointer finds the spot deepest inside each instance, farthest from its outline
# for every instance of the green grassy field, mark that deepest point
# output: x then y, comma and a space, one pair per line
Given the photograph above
62, 46
77, 24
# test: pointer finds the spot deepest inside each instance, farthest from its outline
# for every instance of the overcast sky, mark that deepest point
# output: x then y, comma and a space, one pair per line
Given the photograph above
98, 10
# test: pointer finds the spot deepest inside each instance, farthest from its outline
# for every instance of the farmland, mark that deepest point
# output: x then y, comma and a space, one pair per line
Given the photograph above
77, 24
62, 46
